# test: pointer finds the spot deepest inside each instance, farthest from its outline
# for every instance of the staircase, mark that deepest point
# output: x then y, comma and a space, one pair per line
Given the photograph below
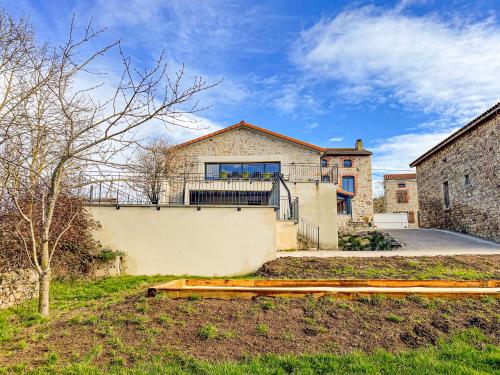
307, 235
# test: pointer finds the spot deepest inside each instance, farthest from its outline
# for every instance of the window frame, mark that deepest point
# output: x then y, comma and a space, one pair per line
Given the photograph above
353, 183
350, 161
243, 167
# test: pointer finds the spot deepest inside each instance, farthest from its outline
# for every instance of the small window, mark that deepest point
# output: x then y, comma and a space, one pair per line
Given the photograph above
347, 163
324, 162
467, 180
446, 194
325, 178
348, 184
401, 185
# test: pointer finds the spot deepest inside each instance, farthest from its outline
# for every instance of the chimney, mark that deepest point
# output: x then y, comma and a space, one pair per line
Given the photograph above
359, 144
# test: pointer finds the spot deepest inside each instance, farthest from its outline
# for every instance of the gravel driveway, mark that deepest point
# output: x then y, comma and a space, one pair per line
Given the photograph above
417, 242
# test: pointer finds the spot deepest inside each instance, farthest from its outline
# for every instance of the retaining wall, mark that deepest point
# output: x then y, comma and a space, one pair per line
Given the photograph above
17, 286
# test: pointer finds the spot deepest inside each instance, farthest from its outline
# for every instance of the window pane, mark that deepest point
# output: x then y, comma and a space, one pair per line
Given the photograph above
232, 170
272, 168
348, 184
347, 163
254, 170
325, 178
324, 162
211, 171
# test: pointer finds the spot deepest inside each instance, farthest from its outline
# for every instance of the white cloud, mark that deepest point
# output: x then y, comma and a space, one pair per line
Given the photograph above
399, 151
394, 154
336, 139
428, 63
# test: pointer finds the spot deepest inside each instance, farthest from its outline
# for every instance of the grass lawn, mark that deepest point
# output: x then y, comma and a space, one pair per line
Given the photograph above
109, 326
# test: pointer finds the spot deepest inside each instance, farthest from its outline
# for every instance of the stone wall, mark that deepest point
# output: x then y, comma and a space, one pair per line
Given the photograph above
238, 144
391, 187
474, 201
17, 286
362, 202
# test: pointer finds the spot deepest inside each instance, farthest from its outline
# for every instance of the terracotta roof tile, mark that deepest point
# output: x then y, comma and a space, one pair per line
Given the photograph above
400, 176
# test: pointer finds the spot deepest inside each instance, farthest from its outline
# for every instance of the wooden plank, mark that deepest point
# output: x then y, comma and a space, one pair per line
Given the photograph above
250, 288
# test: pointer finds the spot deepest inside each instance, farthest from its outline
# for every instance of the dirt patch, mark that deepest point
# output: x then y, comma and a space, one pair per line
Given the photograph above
462, 267
139, 327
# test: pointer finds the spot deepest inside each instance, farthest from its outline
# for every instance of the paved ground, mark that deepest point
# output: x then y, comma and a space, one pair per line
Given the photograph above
417, 242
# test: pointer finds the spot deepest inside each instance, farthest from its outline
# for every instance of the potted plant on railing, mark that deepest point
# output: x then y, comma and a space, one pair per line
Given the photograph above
223, 175
245, 175
267, 176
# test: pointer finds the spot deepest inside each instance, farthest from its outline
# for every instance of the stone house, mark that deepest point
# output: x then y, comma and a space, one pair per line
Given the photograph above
355, 198
400, 196
312, 177
458, 180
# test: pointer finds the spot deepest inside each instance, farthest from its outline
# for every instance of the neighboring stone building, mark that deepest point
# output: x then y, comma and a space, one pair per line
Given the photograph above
355, 198
458, 179
400, 196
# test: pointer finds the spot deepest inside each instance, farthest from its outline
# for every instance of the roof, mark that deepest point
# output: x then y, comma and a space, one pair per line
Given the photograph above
243, 124
493, 111
346, 151
400, 176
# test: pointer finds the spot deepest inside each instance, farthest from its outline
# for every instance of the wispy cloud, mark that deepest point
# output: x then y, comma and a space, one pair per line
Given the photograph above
336, 139
446, 67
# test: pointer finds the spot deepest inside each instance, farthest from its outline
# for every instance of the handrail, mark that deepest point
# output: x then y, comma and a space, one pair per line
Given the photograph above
309, 231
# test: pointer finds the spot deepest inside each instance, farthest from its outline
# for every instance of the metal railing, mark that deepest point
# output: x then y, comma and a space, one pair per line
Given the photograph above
129, 189
288, 210
309, 233
183, 188
290, 172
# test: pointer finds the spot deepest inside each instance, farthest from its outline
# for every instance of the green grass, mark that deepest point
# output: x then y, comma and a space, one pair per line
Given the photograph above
208, 332
427, 273
467, 353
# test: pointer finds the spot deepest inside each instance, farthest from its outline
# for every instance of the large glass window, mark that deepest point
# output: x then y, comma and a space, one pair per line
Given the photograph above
348, 184
222, 171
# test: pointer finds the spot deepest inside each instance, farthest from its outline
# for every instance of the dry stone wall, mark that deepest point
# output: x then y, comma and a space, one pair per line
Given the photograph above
17, 286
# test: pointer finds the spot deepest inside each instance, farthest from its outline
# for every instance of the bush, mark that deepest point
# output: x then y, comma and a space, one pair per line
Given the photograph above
77, 253
373, 240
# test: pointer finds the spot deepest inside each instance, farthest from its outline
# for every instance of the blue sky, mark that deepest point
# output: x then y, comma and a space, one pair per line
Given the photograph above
401, 75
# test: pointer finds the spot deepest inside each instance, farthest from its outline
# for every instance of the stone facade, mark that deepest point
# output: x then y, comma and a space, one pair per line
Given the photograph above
402, 185
244, 144
17, 286
468, 166
361, 170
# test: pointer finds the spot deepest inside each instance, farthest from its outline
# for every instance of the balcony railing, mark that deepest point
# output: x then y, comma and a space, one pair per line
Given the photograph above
182, 188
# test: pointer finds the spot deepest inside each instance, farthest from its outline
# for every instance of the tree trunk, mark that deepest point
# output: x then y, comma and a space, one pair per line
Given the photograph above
43, 294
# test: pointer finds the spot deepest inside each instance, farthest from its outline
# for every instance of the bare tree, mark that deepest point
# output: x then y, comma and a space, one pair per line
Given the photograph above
61, 128
151, 168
